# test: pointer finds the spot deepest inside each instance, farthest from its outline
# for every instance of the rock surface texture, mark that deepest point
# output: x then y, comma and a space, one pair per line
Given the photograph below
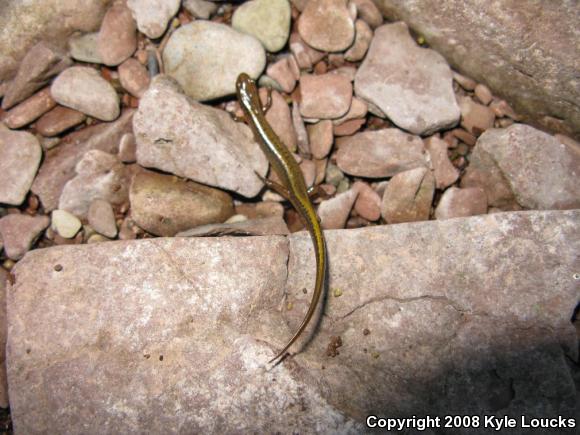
527, 55
176, 333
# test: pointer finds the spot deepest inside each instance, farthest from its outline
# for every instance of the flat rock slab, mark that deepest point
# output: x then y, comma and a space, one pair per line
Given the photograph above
172, 335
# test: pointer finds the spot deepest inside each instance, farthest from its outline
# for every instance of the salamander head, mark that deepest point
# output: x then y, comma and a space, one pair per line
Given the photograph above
247, 92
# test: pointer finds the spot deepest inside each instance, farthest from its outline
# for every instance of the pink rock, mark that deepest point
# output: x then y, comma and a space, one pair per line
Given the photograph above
327, 25
165, 205
368, 202
128, 148
21, 154
345, 70
280, 118
362, 40
321, 138
152, 16
19, 231
300, 129
417, 93
525, 164
502, 108
457, 202
29, 110
358, 109
282, 73
334, 212
42, 62
483, 93
349, 127
305, 55
408, 196
134, 77
59, 163
326, 96
178, 135
99, 175
309, 171
475, 118
369, 12
445, 173
465, 82
118, 35
464, 136
102, 218
380, 153
84, 89
58, 120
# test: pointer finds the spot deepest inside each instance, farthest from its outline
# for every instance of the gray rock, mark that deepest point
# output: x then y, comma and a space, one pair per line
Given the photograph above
188, 139
59, 163
409, 84
84, 48
200, 8
40, 64
83, 89
165, 205
380, 153
513, 50
204, 57
19, 231
21, 154
99, 175
152, 16
43, 20
533, 167
203, 315
267, 20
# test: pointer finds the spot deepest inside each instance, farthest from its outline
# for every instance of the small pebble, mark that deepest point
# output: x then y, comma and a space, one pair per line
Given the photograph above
327, 25
128, 148
483, 93
117, 39
364, 35
21, 154
321, 138
281, 72
134, 77
65, 224
83, 89
326, 96
267, 20
84, 48
29, 110
58, 120
102, 218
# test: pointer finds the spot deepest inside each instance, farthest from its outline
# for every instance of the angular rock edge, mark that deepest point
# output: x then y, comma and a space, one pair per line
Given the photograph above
461, 316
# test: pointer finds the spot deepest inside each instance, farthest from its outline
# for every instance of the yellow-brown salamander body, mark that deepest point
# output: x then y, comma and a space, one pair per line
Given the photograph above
292, 187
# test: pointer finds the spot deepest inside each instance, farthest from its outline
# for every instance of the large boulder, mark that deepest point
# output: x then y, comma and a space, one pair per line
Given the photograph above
172, 335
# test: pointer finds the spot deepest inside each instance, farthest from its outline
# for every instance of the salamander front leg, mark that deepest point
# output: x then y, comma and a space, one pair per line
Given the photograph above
276, 187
